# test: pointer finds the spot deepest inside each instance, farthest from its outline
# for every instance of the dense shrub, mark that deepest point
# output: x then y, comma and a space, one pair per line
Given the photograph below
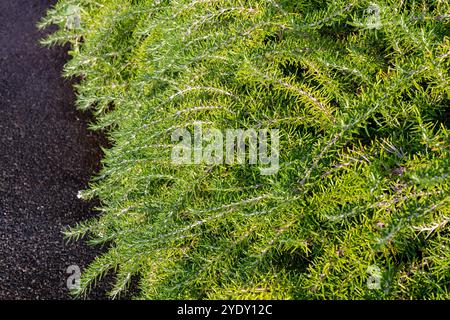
360, 93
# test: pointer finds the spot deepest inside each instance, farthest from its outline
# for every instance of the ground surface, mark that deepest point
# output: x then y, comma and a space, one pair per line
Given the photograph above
47, 154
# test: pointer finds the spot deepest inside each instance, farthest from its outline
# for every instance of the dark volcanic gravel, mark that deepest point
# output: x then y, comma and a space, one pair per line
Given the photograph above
47, 154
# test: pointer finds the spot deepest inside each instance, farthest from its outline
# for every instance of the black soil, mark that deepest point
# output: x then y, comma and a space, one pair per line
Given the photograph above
47, 155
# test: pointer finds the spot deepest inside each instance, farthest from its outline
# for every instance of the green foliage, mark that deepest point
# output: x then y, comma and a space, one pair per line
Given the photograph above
360, 92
